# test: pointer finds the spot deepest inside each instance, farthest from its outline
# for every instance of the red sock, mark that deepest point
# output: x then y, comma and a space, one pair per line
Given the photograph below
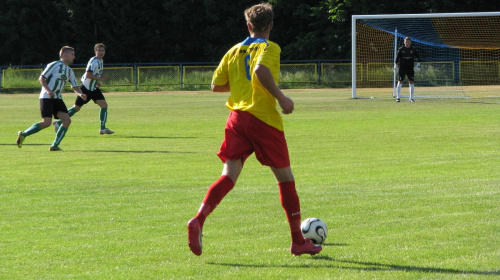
291, 205
215, 194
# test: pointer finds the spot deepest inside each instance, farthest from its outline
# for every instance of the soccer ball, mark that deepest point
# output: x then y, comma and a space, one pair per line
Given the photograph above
314, 229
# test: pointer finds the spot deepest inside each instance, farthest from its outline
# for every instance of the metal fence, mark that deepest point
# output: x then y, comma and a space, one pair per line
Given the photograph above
334, 73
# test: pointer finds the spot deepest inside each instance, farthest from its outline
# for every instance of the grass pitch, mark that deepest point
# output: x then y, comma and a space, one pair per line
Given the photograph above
408, 191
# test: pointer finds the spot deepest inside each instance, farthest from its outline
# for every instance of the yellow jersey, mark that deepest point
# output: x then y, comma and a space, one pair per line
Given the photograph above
247, 93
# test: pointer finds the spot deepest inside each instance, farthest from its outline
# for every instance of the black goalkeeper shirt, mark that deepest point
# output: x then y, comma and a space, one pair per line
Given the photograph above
405, 56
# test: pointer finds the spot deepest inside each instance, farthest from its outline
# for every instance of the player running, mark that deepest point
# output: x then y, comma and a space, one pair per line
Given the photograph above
53, 79
250, 71
90, 86
405, 58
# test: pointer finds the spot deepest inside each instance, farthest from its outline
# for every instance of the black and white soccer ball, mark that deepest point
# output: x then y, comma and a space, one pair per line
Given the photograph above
314, 229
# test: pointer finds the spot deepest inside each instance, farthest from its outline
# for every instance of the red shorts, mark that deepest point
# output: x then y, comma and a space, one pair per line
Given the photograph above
245, 134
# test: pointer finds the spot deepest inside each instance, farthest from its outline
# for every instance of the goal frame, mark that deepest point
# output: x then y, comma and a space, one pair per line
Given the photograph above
392, 16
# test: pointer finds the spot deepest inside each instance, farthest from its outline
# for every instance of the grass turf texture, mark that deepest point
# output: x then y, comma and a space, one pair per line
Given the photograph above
408, 191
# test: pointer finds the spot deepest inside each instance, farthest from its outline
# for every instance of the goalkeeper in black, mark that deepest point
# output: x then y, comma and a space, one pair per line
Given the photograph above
405, 59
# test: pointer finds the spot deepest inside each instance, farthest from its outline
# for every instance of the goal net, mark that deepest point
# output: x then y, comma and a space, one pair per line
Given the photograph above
460, 54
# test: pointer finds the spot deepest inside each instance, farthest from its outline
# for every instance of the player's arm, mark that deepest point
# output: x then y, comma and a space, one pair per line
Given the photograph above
224, 88
417, 56
79, 92
266, 79
43, 82
396, 60
90, 75
220, 79
75, 87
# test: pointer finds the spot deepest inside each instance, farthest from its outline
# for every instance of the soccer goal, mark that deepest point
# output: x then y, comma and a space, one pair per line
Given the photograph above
460, 54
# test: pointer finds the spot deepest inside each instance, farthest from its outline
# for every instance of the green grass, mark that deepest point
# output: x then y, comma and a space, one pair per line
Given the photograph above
408, 191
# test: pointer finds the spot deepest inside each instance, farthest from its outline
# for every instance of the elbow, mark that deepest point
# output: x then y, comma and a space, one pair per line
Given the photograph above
224, 88
214, 88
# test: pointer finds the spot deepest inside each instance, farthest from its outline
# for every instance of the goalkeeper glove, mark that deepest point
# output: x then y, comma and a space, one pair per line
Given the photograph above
418, 67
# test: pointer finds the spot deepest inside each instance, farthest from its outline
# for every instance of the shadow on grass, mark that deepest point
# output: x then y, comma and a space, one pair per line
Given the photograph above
367, 266
334, 244
137, 137
154, 137
46, 144
108, 151
134, 152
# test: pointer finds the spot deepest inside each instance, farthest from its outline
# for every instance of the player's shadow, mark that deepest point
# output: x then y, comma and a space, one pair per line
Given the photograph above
155, 137
365, 266
334, 244
31, 144
137, 152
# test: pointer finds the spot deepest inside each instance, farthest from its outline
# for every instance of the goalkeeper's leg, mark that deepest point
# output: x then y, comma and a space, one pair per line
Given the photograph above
412, 90
398, 91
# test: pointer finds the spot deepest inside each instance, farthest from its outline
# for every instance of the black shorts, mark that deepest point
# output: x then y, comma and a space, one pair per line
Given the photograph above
406, 71
91, 95
50, 107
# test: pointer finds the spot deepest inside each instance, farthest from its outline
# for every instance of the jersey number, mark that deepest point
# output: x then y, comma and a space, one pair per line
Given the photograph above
247, 67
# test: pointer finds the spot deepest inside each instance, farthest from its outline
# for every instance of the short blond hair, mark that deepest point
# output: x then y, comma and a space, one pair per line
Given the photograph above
64, 50
260, 16
99, 45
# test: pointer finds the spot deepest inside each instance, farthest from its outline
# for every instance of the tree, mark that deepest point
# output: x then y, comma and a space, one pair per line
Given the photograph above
32, 31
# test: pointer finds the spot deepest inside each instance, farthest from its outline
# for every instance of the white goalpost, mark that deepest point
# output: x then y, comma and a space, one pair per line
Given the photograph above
460, 53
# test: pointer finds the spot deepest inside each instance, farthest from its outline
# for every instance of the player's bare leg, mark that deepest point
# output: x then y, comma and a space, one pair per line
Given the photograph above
71, 111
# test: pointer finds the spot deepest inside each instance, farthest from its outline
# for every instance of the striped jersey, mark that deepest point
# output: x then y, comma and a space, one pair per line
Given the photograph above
247, 93
57, 74
96, 66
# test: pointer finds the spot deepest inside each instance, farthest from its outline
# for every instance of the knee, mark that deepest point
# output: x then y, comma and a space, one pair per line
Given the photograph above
66, 122
44, 124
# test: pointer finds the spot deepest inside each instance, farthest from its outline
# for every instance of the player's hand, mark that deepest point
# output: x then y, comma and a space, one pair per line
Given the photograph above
287, 105
98, 84
83, 96
104, 78
51, 94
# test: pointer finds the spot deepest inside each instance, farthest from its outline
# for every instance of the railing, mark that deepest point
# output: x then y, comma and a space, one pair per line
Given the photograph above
182, 75
327, 73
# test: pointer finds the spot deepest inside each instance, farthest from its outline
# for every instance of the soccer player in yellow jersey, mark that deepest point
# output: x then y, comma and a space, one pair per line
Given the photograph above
250, 70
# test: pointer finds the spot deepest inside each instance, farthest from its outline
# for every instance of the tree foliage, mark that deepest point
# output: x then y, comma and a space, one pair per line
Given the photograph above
33, 31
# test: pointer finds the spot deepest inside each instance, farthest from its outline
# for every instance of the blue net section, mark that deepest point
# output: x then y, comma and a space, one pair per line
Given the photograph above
420, 30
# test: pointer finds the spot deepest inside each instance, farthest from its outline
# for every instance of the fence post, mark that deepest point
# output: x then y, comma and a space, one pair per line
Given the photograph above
319, 73
1, 76
181, 69
136, 80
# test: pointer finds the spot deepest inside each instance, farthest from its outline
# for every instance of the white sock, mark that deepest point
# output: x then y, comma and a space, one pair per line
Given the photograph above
412, 90
398, 91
